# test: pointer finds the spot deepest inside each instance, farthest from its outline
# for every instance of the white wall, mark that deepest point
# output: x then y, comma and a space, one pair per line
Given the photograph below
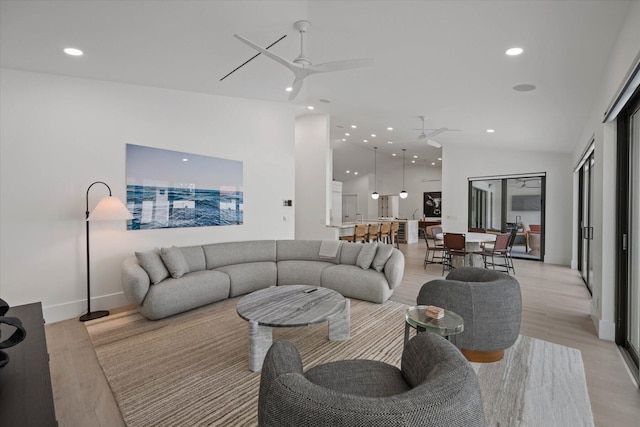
314, 171
461, 162
620, 62
59, 134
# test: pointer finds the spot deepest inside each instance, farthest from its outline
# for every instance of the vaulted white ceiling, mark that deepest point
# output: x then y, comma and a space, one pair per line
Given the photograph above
441, 59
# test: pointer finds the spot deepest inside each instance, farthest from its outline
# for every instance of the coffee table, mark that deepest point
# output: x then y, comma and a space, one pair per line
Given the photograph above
291, 306
448, 326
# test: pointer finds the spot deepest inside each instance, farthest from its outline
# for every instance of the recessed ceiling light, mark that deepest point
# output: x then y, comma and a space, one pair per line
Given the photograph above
415, 157
347, 134
344, 139
373, 135
353, 126
413, 161
514, 51
355, 173
185, 160
310, 107
491, 130
389, 128
72, 51
524, 87
389, 142
348, 171
365, 140
433, 164
440, 158
393, 154
289, 89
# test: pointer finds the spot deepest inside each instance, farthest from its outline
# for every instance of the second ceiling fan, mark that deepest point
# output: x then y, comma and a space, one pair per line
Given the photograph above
301, 66
424, 137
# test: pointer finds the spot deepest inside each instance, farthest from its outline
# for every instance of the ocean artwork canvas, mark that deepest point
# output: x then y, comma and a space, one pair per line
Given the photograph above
172, 189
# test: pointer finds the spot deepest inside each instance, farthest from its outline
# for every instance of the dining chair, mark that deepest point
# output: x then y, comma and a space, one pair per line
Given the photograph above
385, 232
454, 246
373, 235
512, 238
395, 226
497, 256
434, 233
433, 254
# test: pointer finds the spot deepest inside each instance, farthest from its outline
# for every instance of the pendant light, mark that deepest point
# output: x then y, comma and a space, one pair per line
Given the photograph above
375, 194
403, 193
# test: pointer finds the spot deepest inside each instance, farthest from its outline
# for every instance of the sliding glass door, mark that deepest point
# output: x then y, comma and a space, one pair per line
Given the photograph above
628, 233
511, 204
585, 232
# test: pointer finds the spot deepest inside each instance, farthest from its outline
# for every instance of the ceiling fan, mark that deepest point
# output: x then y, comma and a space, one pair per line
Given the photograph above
301, 67
424, 137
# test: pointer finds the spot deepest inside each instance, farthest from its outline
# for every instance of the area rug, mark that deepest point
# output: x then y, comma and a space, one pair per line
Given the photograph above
192, 369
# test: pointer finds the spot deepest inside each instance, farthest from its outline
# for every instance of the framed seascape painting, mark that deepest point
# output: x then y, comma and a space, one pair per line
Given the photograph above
172, 189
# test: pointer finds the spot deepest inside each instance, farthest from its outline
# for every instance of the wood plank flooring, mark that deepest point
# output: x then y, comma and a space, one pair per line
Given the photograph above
555, 309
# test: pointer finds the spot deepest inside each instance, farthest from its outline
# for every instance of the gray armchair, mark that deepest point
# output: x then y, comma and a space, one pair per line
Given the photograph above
490, 304
436, 387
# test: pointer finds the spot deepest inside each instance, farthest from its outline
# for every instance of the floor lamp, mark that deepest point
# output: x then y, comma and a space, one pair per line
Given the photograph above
108, 209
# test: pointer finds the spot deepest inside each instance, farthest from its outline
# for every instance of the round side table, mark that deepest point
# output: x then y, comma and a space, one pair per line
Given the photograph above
448, 326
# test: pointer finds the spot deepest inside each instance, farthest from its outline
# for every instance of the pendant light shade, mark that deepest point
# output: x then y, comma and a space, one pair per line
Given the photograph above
375, 194
403, 193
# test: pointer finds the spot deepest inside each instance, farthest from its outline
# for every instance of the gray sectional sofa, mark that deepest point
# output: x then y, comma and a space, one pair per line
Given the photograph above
175, 280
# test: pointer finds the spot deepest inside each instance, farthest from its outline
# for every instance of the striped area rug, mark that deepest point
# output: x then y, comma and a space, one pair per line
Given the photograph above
192, 369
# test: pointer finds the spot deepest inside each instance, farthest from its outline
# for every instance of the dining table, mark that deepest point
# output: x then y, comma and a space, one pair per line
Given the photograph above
473, 242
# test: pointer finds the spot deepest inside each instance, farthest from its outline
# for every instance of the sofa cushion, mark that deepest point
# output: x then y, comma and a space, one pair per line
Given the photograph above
349, 252
194, 255
221, 254
301, 272
366, 255
152, 263
249, 277
302, 250
383, 253
175, 261
353, 282
172, 296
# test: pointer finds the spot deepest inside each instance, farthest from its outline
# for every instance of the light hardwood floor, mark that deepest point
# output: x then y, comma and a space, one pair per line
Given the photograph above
555, 309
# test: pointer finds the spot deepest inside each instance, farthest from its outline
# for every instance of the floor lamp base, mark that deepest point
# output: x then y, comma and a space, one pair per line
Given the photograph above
94, 315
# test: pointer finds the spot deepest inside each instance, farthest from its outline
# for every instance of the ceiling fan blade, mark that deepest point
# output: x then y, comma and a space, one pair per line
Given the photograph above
437, 132
434, 143
347, 64
281, 60
295, 87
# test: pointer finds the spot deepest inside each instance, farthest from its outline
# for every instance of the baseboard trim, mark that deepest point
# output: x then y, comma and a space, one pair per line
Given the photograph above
69, 310
606, 329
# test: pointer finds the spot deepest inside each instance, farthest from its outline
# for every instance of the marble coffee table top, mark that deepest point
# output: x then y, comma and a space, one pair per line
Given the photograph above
291, 305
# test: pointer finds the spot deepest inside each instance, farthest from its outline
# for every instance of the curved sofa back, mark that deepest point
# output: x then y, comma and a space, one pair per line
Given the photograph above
223, 254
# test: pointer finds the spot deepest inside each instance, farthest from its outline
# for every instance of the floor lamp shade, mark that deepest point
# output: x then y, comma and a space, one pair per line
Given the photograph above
108, 209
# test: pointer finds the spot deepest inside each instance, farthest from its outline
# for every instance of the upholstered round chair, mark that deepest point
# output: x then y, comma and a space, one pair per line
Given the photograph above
435, 386
490, 304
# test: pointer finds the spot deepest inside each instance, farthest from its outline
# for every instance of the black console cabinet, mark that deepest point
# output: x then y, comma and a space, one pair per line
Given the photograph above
26, 398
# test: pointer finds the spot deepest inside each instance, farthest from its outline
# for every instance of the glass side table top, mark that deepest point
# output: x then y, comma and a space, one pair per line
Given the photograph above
451, 324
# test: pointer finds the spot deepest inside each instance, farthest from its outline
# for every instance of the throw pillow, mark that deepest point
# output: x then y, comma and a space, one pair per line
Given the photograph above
382, 256
366, 255
153, 265
175, 261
